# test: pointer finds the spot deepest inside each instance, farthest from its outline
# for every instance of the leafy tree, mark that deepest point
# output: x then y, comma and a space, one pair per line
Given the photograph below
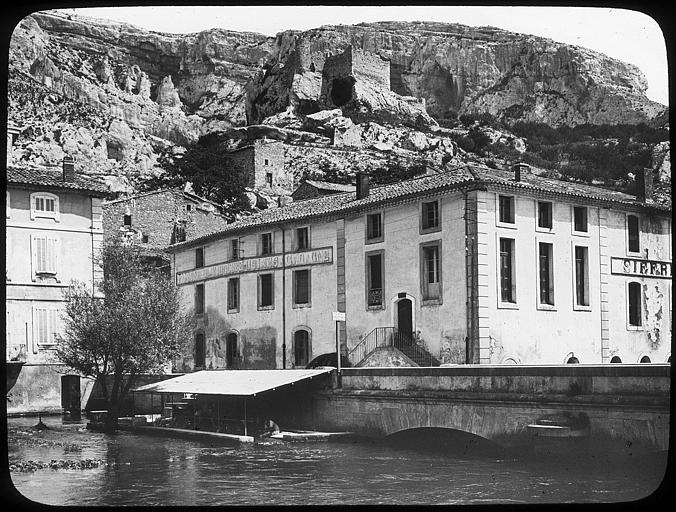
136, 328
212, 172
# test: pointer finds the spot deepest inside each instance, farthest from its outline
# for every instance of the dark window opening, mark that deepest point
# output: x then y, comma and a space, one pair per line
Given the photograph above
268, 176
507, 281
545, 215
302, 239
301, 287
179, 233
127, 220
374, 279
581, 276
546, 274
199, 257
573, 360
634, 230
145, 239
234, 245
266, 243
301, 347
635, 304
645, 359
233, 293
199, 299
374, 226
506, 207
615, 360
580, 219
231, 350
430, 215
265, 297
200, 350
188, 207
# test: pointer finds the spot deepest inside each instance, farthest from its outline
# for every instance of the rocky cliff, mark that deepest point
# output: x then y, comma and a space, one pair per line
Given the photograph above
114, 95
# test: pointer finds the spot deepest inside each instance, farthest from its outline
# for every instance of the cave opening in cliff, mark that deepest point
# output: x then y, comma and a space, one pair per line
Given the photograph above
341, 90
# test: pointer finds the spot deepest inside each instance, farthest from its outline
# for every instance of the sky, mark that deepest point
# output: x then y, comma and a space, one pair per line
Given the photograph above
629, 36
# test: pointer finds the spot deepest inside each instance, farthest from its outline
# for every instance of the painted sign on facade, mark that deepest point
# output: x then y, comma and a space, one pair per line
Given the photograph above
258, 264
640, 268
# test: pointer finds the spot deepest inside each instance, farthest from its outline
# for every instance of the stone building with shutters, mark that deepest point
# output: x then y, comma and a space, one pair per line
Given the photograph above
53, 229
473, 265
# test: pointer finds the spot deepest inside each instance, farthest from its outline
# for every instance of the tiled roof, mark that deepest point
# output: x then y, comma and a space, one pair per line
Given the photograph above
175, 190
464, 176
53, 177
327, 185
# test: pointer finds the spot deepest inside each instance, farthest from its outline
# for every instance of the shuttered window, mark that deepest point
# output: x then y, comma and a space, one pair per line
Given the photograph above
45, 253
44, 205
301, 287
45, 325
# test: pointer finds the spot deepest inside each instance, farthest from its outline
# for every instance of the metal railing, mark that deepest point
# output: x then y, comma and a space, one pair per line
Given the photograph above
391, 337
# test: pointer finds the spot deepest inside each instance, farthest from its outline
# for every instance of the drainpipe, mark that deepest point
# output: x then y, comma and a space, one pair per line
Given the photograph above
283, 299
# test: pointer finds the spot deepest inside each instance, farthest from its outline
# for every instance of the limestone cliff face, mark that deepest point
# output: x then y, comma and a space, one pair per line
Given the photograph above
114, 95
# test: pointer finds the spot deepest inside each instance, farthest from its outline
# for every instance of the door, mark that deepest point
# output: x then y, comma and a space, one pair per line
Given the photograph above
70, 394
231, 351
405, 317
200, 350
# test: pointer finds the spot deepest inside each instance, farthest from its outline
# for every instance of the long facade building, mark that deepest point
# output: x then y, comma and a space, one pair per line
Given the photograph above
476, 265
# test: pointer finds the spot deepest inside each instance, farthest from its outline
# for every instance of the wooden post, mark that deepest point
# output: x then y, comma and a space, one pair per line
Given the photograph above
245, 416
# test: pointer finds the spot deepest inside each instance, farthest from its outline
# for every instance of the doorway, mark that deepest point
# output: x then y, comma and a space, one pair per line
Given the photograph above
70, 395
200, 350
231, 350
405, 317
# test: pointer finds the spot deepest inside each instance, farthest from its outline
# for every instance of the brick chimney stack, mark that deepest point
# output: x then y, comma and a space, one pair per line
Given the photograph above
520, 169
644, 185
68, 168
362, 185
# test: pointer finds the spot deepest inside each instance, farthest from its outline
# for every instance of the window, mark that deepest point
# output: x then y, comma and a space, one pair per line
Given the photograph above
546, 273
634, 307
266, 162
231, 350
644, 359
615, 360
179, 233
302, 238
573, 360
374, 227
268, 177
199, 299
431, 271
633, 234
126, 220
301, 287
145, 239
580, 219
265, 291
266, 244
188, 207
200, 350
234, 249
545, 215
199, 257
581, 276
429, 214
44, 205
233, 294
374, 279
506, 209
301, 347
45, 254
507, 278
45, 325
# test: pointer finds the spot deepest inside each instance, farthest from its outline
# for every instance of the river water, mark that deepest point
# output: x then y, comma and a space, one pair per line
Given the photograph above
142, 470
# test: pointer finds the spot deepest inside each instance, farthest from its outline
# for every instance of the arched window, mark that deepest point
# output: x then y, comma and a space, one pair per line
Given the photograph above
231, 350
634, 304
645, 359
615, 359
301, 347
200, 350
573, 360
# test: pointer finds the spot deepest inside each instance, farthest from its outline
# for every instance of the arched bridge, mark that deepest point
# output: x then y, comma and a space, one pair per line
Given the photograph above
627, 404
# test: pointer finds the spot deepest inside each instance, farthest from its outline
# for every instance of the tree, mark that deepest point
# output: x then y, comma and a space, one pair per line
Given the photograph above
136, 328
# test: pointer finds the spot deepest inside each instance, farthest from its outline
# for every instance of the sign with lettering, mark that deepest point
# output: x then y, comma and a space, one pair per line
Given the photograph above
258, 264
640, 268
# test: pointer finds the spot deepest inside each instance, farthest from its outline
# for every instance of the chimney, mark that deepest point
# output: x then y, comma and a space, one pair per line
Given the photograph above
362, 185
520, 169
644, 185
68, 168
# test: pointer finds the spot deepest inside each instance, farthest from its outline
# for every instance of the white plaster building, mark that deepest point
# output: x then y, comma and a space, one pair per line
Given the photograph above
475, 265
53, 229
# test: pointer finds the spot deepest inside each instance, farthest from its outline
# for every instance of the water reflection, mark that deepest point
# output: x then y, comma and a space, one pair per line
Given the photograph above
143, 470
